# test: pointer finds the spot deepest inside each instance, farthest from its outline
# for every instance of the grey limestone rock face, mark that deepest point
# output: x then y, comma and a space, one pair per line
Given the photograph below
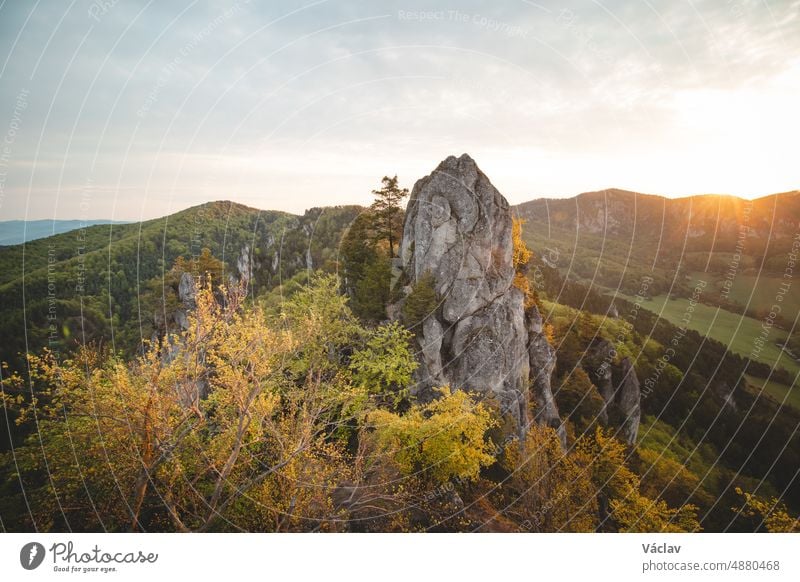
597, 363
244, 265
187, 293
187, 290
618, 385
542, 359
628, 399
458, 231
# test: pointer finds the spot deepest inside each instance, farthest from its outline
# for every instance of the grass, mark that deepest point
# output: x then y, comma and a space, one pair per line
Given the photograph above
735, 331
764, 289
679, 447
777, 391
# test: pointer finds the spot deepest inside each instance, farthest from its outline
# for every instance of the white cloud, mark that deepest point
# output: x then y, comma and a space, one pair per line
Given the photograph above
287, 107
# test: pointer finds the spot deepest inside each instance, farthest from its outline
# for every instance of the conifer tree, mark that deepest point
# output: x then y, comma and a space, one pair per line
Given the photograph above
388, 211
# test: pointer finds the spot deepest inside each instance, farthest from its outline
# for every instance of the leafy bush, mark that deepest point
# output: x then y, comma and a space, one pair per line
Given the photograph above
442, 440
386, 363
421, 302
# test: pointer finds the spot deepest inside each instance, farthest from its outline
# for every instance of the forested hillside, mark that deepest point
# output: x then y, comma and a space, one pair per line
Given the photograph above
612, 237
14, 232
108, 283
718, 265
227, 369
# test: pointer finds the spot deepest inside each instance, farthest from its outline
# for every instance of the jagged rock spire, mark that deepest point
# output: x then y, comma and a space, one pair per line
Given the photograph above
458, 234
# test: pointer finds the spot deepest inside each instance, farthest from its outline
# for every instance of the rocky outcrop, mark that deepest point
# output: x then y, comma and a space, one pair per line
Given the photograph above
597, 364
187, 292
458, 234
542, 359
244, 266
628, 400
725, 395
617, 384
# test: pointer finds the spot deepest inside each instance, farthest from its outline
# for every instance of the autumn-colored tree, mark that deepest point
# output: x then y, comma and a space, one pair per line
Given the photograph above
193, 434
521, 254
772, 513
520, 257
201, 267
622, 505
548, 489
161, 300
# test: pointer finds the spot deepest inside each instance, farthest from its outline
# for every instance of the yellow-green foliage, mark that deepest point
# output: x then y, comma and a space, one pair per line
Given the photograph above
138, 446
520, 257
548, 489
667, 479
521, 253
772, 512
323, 323
386, 363
268, 420
629, 508
565, 319
678, 447
421, 302
444, 439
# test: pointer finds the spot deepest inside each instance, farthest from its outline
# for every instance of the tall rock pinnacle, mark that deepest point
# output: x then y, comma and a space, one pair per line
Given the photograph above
458, 235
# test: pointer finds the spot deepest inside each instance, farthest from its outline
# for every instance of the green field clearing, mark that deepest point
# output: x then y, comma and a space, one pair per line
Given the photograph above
735, 331
777, 391
764, 289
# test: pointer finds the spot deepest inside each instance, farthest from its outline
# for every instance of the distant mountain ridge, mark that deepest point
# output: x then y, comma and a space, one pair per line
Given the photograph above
609, 238
616, 204
700, 222
14, 232
613, 238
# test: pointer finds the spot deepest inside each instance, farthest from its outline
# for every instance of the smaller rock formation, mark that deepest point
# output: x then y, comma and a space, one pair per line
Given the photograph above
597, 364
542, 358
628, 401
187, 292
724, 393
617, 384
244, 266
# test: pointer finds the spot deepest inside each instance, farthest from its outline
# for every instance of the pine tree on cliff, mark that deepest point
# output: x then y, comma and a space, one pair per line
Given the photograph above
388, 211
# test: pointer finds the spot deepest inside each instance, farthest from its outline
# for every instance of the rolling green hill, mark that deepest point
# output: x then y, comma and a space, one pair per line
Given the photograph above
624, 243
614, 237
96, 284
716, 415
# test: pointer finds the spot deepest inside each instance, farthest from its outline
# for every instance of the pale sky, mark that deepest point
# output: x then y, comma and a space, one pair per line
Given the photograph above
126, 110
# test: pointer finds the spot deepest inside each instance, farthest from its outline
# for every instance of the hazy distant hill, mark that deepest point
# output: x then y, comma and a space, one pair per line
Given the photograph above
715, 264
613, 237
14, 232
